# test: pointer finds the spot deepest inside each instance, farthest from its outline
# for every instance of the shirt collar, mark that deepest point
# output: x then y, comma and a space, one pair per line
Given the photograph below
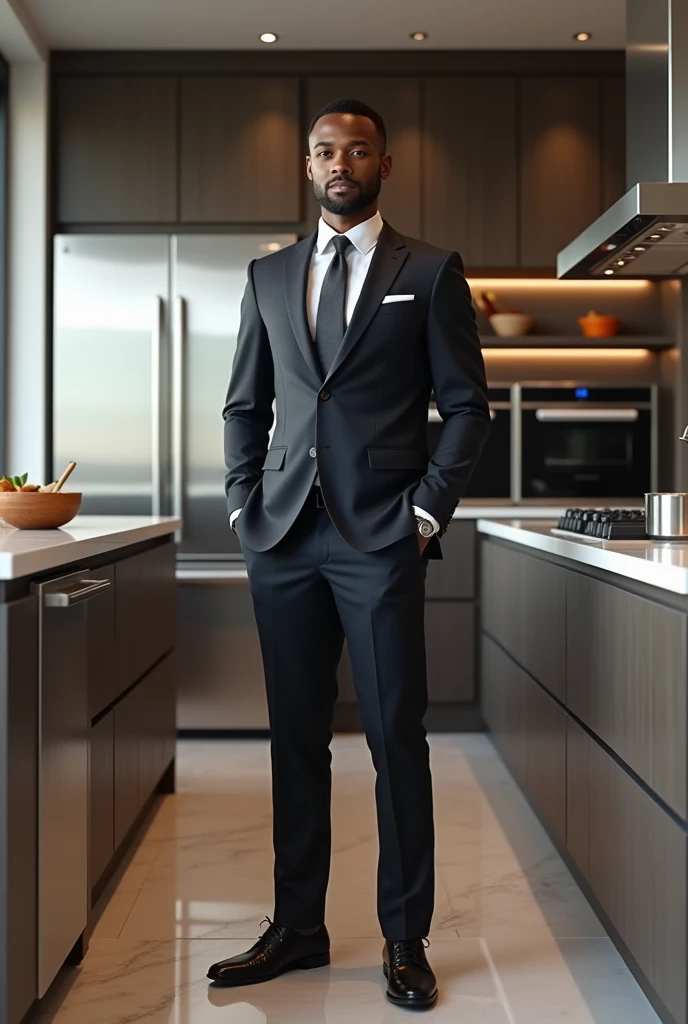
364, 236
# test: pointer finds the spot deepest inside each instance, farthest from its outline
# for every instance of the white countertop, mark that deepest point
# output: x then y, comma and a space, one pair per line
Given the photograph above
660, 563
28, 552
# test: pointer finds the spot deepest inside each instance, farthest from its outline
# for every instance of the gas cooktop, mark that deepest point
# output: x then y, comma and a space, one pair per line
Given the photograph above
604, 523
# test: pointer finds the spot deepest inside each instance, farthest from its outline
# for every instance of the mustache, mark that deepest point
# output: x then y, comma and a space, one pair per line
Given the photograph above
348, 181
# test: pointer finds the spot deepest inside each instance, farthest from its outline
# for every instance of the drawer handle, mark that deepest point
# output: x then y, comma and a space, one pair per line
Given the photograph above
80, 590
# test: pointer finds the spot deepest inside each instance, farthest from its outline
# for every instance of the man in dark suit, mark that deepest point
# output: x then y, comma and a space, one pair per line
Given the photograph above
348, 332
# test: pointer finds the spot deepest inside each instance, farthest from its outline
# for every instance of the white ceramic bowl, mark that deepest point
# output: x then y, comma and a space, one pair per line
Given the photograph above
511, 325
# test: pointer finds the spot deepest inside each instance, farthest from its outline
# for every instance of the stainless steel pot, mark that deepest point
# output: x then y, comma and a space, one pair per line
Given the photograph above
666, 515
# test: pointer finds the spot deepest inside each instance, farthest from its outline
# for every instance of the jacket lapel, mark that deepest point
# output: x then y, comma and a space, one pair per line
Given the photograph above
296, 267
388, 259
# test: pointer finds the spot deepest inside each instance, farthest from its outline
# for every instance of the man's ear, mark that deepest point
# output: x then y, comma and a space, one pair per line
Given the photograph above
309, 172
386, 166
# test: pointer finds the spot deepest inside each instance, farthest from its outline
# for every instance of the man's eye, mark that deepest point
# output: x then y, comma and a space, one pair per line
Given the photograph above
358, 152
324, 152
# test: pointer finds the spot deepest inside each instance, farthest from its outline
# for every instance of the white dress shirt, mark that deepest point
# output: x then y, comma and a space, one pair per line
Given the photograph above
358, 257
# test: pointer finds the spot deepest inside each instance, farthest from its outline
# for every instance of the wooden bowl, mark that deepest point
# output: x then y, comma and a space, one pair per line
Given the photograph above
31, 510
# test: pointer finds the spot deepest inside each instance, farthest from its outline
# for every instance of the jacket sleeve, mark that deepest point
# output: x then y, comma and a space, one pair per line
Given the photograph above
458, 378
248, 413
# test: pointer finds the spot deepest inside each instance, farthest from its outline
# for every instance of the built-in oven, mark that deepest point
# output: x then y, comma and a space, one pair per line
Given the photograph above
492, 476
588, 442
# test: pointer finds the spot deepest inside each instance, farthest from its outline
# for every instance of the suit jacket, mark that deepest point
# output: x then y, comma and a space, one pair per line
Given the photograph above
365, 426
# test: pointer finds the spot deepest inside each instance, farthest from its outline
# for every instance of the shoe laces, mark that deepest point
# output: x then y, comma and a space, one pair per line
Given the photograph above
273, 931
409, 951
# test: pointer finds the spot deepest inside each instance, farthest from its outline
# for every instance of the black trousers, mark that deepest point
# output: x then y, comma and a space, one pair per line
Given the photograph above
309, 592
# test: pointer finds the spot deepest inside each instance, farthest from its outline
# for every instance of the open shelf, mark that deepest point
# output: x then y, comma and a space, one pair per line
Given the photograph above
658, 341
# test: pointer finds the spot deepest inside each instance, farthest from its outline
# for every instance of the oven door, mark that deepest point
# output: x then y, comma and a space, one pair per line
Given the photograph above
492, 475
586, 453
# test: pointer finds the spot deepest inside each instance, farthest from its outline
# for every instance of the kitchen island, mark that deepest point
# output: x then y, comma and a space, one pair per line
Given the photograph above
583, 680
87, 728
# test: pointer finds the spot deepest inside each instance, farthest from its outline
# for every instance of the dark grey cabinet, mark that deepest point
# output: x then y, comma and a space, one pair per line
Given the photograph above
454, 575
116, 149
627, 666
470, 168
100, 614
578, 783
638, 873
126, 763
242, 152
529, 729
145, 612
560, 163
398, 100
524, 609
450, 651
101, 797
144, 741
18, 806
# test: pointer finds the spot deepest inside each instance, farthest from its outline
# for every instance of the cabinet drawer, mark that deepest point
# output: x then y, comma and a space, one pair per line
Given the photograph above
529, 729
101, 643
450, 651
454, 574
627, 669
145, 612
524, 609
638, 873
101, 797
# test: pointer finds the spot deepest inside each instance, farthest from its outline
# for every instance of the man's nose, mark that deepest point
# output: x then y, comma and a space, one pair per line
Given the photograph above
342, 165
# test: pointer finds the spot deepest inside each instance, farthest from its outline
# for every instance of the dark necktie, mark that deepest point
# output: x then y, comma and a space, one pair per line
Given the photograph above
330, 323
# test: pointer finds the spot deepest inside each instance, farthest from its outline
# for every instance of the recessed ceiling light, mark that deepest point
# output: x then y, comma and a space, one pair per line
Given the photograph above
639, 248
419, 36
268, 37
582, 37
608, 272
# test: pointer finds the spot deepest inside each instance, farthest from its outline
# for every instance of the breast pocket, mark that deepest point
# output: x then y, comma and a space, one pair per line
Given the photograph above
396, 308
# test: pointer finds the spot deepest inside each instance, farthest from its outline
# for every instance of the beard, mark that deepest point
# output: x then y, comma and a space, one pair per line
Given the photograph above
342, 205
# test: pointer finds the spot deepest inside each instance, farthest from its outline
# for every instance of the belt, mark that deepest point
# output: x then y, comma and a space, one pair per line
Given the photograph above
315, 498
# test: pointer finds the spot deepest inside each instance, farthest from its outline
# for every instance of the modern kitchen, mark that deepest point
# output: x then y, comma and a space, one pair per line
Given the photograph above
149, 152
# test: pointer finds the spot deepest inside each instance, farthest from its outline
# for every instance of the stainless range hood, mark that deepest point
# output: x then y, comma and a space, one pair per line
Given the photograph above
645, 233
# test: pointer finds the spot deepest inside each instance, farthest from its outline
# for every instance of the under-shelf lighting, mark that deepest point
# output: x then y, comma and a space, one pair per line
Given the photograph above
638, 354
268, 37
582, 37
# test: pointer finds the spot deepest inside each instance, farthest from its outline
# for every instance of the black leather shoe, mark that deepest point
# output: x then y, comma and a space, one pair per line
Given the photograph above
277, 950
410, 981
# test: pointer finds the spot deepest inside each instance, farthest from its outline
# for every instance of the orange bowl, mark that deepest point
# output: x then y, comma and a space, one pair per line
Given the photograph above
31, 510
599, 326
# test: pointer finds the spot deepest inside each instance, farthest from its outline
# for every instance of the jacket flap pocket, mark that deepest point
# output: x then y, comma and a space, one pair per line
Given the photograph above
397, 458
275, 458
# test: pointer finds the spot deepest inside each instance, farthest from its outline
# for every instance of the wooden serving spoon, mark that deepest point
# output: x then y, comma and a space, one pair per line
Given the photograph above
64, 476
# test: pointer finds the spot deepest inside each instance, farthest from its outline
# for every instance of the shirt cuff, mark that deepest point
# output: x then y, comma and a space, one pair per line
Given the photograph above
234, 516
426, 515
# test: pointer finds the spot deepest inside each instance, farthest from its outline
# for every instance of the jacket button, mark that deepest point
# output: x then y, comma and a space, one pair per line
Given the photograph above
324, 395
312, 453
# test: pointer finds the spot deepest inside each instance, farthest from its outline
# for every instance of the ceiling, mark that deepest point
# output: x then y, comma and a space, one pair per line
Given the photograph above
309, 24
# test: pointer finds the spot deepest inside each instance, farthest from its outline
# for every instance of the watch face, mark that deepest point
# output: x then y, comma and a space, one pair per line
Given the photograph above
425, 528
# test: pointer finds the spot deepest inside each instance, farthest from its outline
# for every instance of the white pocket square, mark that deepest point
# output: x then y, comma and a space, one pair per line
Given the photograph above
398, 298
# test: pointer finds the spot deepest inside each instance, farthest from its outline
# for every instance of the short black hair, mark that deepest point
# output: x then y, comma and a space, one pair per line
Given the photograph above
352, 107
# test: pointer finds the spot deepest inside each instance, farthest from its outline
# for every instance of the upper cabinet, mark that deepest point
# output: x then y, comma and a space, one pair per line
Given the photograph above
398, 100
116, 150
470, 168
242, 155
506, 168
560, 164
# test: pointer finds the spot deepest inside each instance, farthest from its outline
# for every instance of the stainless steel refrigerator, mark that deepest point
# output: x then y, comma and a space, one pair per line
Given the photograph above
144, 333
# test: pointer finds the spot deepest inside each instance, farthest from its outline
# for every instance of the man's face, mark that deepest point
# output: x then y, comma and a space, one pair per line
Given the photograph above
345, 163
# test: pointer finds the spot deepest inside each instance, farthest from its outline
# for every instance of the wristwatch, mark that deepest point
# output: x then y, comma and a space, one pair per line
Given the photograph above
425, 527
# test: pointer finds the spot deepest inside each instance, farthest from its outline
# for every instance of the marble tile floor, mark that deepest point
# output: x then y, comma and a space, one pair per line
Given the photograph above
513, 939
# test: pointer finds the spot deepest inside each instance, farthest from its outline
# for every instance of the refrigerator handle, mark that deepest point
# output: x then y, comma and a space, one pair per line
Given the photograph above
178, 356
156, 404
